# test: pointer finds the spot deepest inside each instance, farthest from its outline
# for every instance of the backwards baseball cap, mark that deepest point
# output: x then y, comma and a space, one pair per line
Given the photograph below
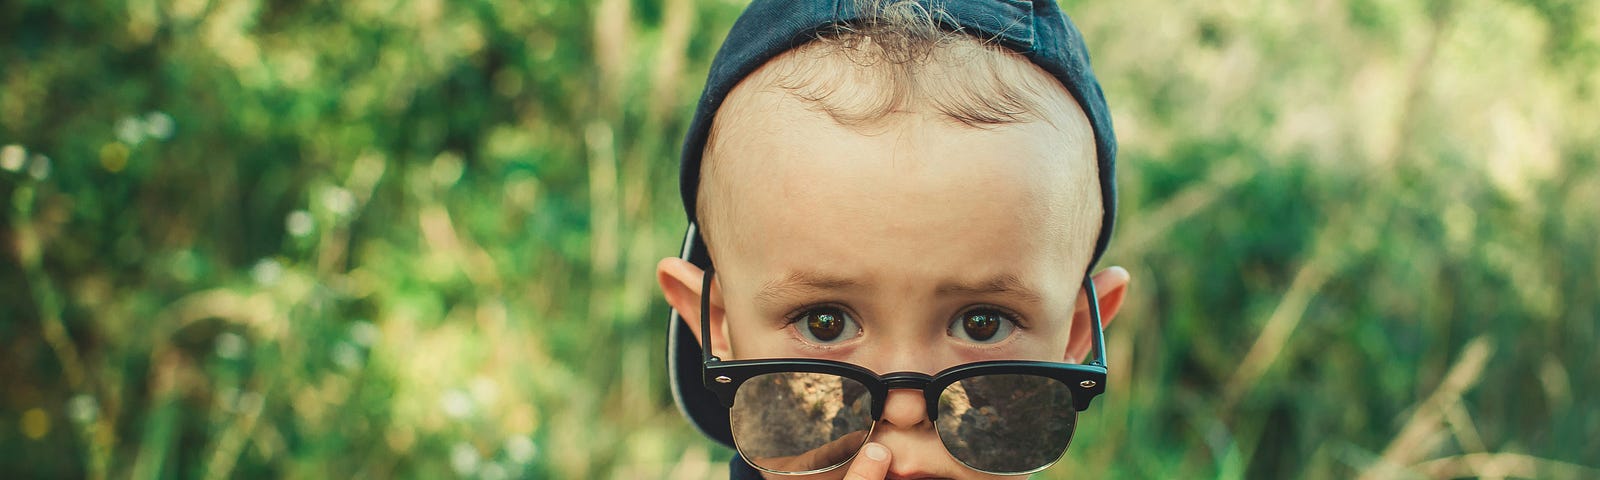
1037, 30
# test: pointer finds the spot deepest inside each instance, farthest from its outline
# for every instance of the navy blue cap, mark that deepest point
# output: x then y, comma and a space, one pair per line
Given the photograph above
1038, 30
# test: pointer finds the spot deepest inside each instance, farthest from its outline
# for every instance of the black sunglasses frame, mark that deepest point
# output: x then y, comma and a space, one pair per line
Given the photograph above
723, 377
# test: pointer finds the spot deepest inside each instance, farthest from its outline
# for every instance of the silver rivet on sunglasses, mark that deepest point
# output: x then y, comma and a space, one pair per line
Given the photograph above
1087, 384
723, 379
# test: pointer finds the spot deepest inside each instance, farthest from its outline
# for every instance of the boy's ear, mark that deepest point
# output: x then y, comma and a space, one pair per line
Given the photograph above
680, 283
1111, 285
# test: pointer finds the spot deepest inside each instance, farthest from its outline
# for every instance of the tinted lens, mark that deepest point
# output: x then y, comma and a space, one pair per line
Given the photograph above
800, 422
1006, 424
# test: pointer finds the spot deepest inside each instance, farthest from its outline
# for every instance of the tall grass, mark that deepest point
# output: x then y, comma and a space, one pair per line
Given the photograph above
416, 239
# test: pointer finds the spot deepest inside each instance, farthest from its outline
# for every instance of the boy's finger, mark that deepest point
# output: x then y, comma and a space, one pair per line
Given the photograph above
871, 464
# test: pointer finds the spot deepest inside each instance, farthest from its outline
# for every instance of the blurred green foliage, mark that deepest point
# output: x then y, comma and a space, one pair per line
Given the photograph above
387, 238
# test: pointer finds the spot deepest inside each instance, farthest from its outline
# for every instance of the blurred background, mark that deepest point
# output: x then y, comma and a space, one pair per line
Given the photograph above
416, 239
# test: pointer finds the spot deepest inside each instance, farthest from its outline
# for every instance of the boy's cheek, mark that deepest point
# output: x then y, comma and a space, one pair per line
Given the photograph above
779, 341
752, 341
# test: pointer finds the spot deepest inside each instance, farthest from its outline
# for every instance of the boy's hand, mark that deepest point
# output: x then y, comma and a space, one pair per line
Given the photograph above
871, 464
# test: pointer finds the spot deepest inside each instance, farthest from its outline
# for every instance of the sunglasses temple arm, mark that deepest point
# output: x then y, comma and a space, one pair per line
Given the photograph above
1094, 318
705, 318
688, 248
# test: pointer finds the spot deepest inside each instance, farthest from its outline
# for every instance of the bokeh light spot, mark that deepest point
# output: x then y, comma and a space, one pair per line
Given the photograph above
83, 409
299, 223
447, 168
520, 449
39, 168
35, 423
338, 201
464, 459
266, 272
230, 346
492, 471
364, 333
12, 157
158, 125
347, 356
114, 157
456, 404
130, 130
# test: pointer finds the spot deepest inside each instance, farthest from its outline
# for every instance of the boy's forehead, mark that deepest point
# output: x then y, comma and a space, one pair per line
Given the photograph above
769, 107
786, 177
963, 82
776, 133
788, 185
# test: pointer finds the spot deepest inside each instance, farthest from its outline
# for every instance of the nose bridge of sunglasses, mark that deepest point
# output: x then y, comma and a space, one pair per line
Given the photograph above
909, 381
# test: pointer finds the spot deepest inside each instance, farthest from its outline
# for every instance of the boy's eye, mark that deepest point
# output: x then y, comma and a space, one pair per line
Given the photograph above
982, 325
826, 325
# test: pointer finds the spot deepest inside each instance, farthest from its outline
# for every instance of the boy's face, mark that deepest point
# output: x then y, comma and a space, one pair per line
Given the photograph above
914, 245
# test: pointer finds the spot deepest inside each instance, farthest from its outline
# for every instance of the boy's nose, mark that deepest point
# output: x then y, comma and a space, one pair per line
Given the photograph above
905, 408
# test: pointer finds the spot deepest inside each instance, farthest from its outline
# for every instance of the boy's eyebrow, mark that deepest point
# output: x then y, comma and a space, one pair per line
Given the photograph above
796, 282
1002, 284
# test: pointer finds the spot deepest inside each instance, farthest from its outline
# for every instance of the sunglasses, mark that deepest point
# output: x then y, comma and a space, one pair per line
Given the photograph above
802, 416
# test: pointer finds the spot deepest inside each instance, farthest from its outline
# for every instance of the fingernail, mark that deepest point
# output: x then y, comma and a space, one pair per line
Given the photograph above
876, 452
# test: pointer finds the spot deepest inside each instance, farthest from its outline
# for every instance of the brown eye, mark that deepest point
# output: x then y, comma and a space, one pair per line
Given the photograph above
982, 325
826, 325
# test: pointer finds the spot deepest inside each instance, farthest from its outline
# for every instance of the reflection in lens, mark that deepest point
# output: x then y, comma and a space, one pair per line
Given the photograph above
1006, 423
800, 422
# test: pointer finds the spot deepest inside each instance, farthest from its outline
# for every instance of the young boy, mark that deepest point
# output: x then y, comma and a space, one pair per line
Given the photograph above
894, 210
